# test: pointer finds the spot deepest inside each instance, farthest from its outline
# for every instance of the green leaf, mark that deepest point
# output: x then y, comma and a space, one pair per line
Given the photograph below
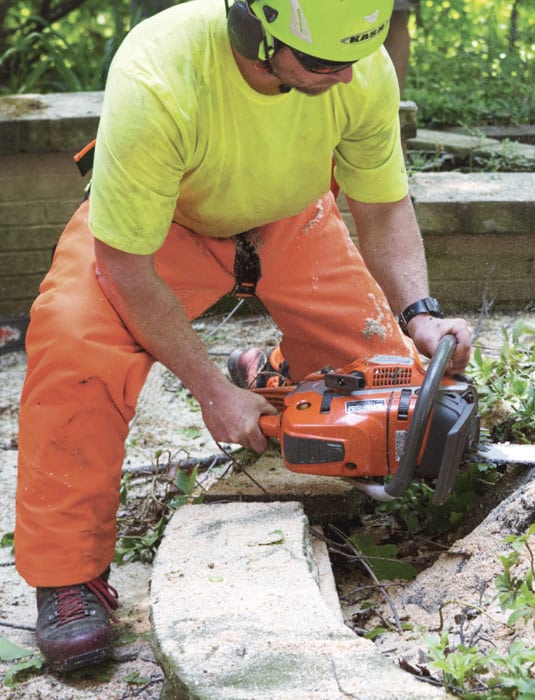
135, 678
34, 663
382, 559
10, 651
184, 483
7, 540
273, 537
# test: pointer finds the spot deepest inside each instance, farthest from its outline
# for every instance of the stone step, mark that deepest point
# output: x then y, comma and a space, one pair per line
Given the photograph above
466, 146
240, 612
479, 235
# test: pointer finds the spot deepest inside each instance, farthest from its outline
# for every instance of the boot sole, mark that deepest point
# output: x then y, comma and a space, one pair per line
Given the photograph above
75, 663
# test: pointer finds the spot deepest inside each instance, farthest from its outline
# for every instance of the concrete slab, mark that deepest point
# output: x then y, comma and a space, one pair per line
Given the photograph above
238, 613
479, 203
325, 499
36, 123
465, 146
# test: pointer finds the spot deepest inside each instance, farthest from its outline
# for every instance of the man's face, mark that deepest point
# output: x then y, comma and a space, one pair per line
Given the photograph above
290, 72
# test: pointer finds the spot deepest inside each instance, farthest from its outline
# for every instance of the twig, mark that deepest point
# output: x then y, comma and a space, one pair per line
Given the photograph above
227, 318
345, 693
17, 627
242, 469
189, 463
362, 559
486, 306
371, 586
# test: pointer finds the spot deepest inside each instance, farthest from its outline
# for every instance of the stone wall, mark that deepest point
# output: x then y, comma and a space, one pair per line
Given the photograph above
479, 235
40, 187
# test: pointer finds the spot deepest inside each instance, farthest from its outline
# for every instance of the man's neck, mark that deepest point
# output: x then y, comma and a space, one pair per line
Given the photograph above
256, 76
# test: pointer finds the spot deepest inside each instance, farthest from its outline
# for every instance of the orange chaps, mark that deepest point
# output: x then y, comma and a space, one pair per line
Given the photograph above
85, 371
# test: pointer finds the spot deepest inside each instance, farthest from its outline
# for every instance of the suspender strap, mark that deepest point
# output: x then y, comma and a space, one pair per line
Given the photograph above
247, 268
84, 158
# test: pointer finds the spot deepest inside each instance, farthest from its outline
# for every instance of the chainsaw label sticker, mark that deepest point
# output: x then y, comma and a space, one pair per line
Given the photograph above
400, 439
365, 405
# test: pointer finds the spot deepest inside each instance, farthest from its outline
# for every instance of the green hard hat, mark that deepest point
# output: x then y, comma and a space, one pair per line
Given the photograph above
335, 30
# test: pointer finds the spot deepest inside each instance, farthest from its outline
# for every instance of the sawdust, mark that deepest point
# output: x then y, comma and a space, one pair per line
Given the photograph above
317, 218
374, 327
168, 420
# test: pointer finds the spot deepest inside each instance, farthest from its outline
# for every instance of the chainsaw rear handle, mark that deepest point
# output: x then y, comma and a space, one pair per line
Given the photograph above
420, 418
270, 425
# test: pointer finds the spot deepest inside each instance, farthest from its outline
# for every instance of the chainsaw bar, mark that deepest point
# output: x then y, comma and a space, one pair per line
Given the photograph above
506, 453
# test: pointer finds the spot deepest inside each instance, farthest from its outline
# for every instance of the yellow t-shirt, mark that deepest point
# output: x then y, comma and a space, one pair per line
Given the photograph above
184, 138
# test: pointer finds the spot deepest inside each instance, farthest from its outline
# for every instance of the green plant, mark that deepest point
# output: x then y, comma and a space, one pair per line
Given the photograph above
57, 46
506, 385
415, 508
471, 672
516, 592
472, 62
26, 661
142, 526
382, 559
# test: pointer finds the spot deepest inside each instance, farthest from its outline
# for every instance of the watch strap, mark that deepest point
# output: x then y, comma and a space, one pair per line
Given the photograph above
428, 305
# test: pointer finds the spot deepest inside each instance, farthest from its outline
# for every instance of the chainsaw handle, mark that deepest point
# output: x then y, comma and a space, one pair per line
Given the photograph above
270, 425
420, 418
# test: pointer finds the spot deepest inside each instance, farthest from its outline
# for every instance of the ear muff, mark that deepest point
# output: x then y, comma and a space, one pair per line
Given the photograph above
244, 30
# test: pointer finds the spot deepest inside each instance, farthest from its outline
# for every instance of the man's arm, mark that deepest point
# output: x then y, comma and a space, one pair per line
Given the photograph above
392, 247
157, 320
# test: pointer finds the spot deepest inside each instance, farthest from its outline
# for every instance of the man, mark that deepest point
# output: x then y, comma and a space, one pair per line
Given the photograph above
214, 148
398, 39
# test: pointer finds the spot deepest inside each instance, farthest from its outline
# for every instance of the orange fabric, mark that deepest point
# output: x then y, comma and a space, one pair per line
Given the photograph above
85, 371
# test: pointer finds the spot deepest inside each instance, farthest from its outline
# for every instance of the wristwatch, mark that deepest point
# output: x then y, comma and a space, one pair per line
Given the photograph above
429, 305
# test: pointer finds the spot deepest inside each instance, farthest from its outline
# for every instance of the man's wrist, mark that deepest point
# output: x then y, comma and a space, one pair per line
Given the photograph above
428, 306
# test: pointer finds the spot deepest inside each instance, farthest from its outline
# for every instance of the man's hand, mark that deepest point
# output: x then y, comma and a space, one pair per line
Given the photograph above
427, 331
232, 414
156, 319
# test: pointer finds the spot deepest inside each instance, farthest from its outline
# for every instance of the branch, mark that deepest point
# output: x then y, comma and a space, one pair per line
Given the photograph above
59, 11
362, 559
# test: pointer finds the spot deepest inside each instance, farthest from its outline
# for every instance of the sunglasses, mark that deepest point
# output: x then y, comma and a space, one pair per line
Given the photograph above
319, 65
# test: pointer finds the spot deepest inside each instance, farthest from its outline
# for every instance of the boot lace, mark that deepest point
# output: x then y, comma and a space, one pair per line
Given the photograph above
106, 594
71, 604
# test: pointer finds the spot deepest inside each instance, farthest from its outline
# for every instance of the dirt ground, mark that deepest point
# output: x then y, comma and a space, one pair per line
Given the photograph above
167, 420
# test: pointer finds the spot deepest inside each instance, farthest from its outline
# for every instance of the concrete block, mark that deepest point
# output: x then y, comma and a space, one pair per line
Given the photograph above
324, 498
466, 147
474, 202
479, 236
238, 614
42, 123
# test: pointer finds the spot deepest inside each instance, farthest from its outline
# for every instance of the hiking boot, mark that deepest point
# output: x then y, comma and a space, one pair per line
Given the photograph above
73, 623
256, 369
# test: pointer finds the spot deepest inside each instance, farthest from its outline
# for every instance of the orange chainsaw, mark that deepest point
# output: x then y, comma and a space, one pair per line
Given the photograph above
382, 417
